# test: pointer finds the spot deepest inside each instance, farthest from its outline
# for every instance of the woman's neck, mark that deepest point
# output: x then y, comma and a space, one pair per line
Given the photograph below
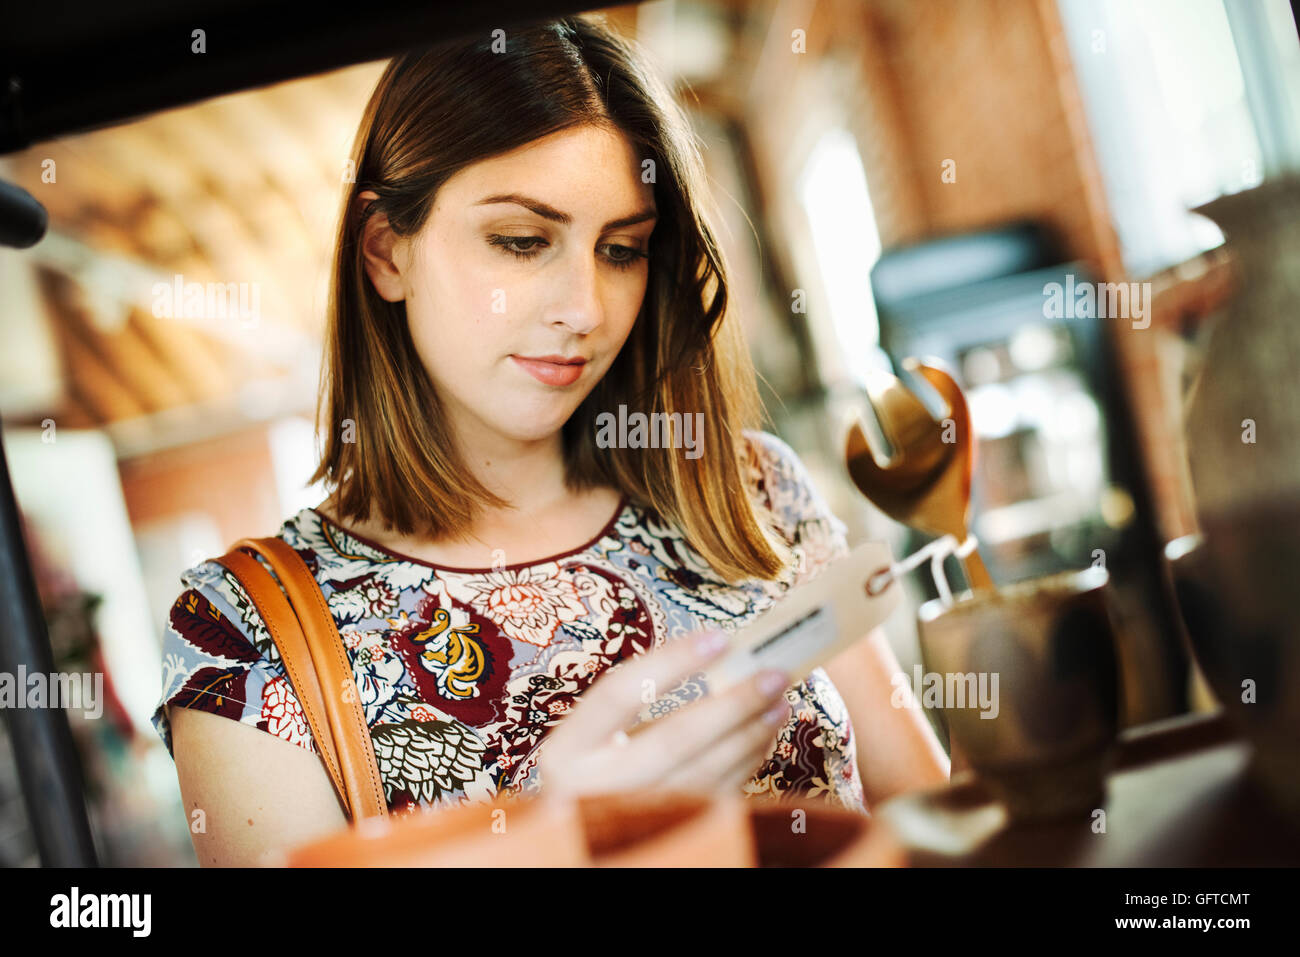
530, 476
499, 538
543, 517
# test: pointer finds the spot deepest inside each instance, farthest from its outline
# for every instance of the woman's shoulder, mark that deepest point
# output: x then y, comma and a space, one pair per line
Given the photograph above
210, 578
786, 488
218, 656
217, 652
784, 481
213, 610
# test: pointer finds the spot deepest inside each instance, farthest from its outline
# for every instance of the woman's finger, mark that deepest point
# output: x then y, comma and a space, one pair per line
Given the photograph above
615, 699
743, 771
665, 743
732, 760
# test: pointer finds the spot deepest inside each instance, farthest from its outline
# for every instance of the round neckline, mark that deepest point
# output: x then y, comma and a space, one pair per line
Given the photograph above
623, 503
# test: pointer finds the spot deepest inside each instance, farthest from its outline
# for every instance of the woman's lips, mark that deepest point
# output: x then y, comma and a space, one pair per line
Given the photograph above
552, 370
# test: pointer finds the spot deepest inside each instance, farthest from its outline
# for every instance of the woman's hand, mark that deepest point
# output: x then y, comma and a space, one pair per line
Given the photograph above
713, 744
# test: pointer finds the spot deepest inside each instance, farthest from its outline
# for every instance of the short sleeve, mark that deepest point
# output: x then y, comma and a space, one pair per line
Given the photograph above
217, 656
814, 532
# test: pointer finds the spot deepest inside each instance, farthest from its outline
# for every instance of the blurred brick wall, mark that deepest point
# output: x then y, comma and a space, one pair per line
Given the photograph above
230, 478
986, 84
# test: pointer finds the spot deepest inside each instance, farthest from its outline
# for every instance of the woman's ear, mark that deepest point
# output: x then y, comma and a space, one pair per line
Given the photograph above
383, 251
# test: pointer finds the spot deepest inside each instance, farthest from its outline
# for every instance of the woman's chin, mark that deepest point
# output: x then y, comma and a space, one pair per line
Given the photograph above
537, 417
523, 426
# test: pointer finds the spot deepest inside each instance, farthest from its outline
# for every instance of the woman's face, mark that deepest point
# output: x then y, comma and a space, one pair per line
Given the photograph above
526, 281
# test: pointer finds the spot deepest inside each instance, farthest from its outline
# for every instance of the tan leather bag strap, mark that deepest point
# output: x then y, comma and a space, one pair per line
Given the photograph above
314, 657
282, 623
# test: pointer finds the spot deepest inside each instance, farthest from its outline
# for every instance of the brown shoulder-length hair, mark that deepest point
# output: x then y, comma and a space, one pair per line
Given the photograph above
436, 110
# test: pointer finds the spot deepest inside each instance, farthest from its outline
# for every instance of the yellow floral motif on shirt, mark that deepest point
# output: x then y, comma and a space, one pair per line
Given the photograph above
453, 654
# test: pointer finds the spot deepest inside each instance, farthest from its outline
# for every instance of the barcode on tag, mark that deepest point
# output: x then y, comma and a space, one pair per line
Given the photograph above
799, 640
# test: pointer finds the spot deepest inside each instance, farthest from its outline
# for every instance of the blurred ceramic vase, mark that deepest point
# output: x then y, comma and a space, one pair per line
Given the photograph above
1243, 418
1041, 740
1238, 581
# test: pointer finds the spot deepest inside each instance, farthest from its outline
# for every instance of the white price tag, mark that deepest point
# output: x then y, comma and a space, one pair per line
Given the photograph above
811, 623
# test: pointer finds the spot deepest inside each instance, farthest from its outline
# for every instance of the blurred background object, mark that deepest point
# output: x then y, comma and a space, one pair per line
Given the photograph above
1236, 580
891, 177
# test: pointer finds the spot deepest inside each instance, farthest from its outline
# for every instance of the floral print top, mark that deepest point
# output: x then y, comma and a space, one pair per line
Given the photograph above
463, 672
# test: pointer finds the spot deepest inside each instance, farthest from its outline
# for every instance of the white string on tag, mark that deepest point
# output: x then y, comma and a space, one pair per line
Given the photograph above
937, 552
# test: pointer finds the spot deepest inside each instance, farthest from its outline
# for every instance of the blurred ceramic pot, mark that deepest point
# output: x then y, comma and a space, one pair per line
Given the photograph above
1238, 583
1243, 416
1042, 739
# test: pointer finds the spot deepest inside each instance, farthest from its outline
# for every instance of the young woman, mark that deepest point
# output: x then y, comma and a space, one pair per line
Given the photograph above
524, 251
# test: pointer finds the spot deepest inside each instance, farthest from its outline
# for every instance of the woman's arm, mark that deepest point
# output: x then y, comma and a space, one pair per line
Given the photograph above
897, 749
258, 793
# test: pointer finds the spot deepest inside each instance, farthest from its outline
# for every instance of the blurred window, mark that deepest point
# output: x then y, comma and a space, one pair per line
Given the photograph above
1175, 121
832, 189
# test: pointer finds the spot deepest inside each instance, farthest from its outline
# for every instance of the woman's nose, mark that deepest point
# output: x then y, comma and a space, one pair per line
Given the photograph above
576, 304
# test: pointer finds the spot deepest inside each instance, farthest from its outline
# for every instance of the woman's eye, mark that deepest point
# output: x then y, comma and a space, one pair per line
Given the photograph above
622, 256
525, 247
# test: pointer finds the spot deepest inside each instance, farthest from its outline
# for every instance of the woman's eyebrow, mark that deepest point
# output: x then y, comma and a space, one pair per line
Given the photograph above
553, 214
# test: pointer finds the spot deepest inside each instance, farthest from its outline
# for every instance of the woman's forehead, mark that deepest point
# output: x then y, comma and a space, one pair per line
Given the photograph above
579, 172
